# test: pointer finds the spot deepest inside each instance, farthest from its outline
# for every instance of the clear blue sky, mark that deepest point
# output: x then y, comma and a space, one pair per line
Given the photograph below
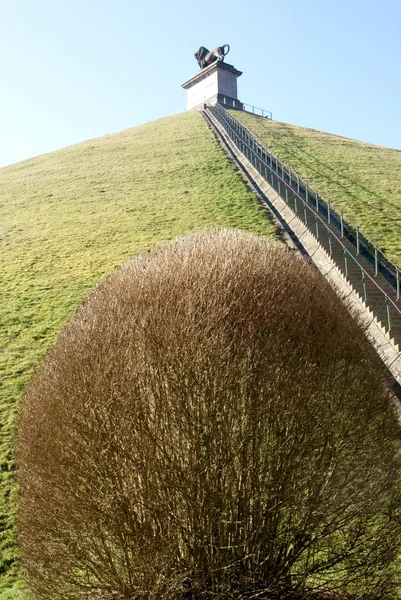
78, 69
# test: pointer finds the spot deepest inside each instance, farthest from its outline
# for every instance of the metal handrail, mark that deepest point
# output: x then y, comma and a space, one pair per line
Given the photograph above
237, 105
217, 111
267, 114
365, 246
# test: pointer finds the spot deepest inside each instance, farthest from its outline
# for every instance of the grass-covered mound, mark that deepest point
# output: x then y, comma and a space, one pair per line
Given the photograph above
212, 423
67, 218
361, 179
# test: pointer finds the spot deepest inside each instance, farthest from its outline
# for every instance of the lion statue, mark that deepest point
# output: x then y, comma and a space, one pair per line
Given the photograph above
206, 58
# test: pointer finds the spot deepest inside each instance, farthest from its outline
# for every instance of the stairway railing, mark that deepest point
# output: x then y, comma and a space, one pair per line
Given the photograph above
363, 245
261, 112
287, 183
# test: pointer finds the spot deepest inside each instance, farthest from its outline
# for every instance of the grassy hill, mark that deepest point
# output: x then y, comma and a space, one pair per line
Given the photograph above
360, 179
67, 218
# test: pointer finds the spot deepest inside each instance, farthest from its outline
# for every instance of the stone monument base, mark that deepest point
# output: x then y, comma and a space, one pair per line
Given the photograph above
215, 84
224, 100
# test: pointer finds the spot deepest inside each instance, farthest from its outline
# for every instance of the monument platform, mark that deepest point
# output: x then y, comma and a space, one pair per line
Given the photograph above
215, 84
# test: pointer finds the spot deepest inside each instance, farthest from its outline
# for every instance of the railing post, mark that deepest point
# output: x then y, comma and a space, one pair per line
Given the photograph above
286, 195
357, 240
305, 215
345, 263
290, 176
342, 224
377, 263
317, 227
398, 283
328, 213
306, 193
317, 202
297, 183
330, 247
364, 285
388, 314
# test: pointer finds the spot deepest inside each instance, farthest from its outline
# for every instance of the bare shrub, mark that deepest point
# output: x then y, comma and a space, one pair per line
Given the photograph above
211, 421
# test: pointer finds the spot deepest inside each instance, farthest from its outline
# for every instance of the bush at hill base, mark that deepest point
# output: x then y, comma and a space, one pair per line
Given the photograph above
211, 423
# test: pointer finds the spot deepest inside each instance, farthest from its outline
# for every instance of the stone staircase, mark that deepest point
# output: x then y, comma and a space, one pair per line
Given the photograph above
376, 293
359, 278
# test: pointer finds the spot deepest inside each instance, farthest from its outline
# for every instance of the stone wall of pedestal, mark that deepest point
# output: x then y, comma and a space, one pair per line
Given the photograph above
217, 83
227, 83
204, 89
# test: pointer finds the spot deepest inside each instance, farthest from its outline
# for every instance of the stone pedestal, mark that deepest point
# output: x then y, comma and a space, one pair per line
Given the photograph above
215, 84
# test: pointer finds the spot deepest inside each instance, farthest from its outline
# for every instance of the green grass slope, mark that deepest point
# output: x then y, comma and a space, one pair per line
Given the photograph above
362, 180
67, 218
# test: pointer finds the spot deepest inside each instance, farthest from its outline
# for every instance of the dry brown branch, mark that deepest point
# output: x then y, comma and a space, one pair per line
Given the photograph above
211, 422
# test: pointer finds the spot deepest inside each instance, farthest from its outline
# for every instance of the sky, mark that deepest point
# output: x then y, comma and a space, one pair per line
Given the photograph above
73, 70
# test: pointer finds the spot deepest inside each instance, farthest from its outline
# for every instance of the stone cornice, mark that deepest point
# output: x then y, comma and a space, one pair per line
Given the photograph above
207, 71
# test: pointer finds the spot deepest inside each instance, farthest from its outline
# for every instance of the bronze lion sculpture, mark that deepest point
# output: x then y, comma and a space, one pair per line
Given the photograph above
206, 58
